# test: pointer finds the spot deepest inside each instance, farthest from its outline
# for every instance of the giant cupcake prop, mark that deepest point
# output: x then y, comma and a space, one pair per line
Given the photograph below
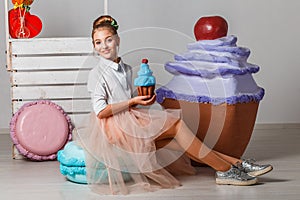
214, 87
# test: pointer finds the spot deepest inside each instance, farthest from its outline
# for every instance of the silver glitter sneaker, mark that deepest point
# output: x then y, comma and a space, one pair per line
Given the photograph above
252, 169
234, 176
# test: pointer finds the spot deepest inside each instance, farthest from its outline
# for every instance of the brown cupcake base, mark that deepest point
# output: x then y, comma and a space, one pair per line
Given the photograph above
225, 128
146, 90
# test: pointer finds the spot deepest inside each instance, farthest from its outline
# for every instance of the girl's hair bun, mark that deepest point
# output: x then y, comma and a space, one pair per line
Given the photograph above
105, 20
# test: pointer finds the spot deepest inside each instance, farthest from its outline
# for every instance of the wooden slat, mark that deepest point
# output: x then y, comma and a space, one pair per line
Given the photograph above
53, 62
49, 77
79, 120
51, 46
69, 106
50, 92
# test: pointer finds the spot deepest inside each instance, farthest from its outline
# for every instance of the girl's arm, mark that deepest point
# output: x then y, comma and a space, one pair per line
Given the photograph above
112, 109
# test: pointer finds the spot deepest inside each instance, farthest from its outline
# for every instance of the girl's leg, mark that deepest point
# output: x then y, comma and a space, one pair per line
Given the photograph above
172, 144
194, 147
250, 167
229, 159
197, 150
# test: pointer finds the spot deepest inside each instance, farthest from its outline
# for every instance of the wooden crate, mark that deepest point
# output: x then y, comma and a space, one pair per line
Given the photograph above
55, 69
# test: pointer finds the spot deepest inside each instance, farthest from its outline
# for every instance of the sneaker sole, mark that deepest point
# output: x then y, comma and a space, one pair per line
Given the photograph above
235, 182
261, 172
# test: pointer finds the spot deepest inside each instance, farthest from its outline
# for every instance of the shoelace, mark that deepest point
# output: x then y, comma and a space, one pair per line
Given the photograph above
249, 161
235, 171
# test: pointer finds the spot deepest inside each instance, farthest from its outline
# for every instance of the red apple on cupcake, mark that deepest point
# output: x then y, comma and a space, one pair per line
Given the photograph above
210, 28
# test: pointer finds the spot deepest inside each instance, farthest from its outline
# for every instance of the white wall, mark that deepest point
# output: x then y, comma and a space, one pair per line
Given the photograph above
269, 28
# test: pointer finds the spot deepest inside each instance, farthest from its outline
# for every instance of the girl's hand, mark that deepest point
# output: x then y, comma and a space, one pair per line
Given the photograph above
143, 100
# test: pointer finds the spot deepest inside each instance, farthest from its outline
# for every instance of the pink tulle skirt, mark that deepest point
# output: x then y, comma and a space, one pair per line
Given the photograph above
124, 145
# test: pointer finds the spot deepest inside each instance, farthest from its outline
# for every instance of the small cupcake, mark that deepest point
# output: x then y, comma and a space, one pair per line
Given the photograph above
145, 82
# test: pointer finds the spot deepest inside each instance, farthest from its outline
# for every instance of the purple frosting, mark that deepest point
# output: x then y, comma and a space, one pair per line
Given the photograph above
191, 68
164, 92
217, 63
225, 44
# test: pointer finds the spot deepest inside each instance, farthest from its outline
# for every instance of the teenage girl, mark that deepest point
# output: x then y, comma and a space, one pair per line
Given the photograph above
149, 146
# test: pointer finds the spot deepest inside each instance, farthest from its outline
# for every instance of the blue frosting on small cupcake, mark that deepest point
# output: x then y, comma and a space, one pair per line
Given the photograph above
145, 77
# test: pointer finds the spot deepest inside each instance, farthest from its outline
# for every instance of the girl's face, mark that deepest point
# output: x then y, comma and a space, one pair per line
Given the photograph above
106, 43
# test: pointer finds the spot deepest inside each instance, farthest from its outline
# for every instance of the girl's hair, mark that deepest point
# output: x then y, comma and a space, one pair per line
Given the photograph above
105, 21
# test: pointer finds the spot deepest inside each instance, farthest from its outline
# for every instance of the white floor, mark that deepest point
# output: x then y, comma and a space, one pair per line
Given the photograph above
21, 179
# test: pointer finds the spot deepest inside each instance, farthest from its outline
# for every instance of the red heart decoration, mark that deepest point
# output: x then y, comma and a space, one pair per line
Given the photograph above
32, 25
